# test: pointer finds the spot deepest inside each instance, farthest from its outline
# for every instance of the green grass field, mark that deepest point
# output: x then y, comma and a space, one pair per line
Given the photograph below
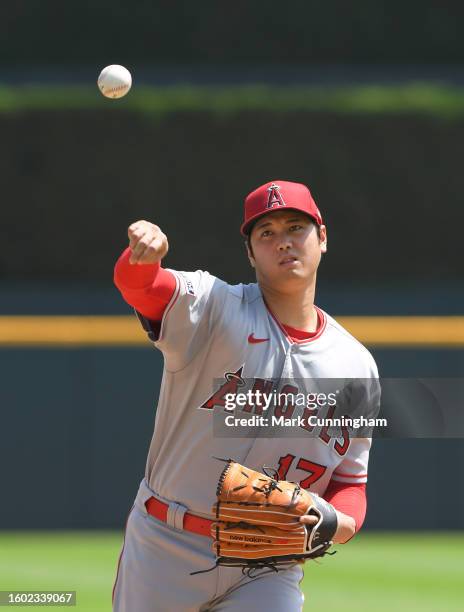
378, 572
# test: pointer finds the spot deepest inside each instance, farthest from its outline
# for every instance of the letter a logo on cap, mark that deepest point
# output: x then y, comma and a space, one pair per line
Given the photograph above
275, 197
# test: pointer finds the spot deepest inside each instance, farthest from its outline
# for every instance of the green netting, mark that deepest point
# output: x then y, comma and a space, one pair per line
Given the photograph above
419, 98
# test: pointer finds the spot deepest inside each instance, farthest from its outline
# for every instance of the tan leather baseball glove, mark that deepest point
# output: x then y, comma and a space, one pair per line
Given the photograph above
258, 520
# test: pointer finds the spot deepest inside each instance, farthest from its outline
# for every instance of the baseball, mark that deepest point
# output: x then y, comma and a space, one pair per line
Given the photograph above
114, 81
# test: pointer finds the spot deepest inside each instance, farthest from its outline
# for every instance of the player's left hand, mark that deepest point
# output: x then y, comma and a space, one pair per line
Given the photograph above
346, 526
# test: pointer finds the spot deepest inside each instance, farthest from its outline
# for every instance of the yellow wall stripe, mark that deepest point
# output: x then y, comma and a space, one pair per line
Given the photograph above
71, 331
407, 331
78, 331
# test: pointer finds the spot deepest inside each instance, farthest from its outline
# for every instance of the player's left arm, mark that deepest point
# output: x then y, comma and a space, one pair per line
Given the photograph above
350, 503
346, 491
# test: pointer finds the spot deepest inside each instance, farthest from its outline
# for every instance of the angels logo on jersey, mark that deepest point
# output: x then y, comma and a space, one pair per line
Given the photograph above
275, 197
233, 380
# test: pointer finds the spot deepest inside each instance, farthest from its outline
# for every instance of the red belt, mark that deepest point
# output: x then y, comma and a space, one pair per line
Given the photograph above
193, 523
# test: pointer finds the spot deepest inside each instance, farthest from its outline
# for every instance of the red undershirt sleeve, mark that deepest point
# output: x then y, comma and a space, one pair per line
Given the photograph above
147, 288
349, 499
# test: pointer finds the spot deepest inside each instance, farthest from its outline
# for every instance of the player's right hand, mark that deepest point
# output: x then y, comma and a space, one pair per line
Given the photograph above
147, 242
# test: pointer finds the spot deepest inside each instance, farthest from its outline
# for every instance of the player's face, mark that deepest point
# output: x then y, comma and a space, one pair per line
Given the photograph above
285, 248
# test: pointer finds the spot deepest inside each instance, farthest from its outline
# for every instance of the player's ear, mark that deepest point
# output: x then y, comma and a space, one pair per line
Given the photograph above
323, 238
249, 252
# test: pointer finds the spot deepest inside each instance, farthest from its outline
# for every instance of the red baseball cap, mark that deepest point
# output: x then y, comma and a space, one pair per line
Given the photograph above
278, 195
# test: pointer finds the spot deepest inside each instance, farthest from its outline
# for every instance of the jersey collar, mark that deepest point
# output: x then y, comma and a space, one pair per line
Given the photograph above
320, 331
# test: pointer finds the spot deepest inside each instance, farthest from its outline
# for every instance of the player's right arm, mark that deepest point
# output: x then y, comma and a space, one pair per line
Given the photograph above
178, 310
138, 275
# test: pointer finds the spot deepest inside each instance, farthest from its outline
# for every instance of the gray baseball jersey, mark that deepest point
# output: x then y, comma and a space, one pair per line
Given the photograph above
215, 336
212, 332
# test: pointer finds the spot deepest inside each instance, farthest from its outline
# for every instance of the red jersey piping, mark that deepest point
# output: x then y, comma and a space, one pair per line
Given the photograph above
349, 475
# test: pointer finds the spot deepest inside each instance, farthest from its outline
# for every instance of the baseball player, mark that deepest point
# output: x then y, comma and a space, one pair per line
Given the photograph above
213, 336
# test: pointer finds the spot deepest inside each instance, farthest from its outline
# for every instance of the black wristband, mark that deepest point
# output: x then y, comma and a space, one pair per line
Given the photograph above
326, 528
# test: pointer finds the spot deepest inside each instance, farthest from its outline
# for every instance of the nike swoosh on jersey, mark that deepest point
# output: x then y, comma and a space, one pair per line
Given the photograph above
253, 340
